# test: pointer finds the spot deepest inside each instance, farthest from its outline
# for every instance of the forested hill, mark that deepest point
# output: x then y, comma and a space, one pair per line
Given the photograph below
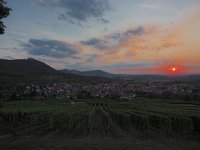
26, 67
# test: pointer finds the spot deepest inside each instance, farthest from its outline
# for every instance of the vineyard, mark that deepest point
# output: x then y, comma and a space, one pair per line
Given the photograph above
146, 117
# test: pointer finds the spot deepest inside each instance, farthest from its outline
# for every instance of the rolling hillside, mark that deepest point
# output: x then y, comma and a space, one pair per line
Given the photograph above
93, 73
26, 67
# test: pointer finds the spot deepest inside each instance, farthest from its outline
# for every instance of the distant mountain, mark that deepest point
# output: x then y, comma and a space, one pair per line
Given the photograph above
142, 76
66, 71
93, 73
188, 77
97, 73
100, 73
28, 66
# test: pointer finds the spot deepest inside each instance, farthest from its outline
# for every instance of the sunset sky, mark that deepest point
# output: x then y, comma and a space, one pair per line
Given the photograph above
118, 36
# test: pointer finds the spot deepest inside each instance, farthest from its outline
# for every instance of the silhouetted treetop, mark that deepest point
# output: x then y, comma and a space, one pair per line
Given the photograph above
4, 12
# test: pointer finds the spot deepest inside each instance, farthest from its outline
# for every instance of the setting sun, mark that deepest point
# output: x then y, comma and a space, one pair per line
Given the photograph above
174, 69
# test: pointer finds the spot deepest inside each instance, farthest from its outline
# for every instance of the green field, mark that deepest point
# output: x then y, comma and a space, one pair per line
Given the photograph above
139, 123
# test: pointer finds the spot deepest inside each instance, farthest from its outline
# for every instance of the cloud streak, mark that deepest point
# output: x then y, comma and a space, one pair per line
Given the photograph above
50, 48
112, 41
79, 11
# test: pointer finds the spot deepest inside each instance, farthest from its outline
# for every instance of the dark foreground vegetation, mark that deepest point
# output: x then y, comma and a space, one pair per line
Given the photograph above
140, 124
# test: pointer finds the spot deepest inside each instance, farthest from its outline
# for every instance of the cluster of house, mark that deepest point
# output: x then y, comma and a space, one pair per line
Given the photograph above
117, 89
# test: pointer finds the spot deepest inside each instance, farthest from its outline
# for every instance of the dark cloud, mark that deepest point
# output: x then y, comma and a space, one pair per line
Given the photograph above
121, 36
135, 32
113, 40
98, 43
78, 11
104, 20
50, 48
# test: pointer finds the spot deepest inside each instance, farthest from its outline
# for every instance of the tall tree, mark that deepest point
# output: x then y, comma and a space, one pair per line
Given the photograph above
4, 12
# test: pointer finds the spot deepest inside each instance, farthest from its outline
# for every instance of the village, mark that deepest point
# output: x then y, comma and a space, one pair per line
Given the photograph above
125, 90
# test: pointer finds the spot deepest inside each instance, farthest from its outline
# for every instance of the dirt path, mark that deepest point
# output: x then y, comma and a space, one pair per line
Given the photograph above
97, 129
80, 131
116, 131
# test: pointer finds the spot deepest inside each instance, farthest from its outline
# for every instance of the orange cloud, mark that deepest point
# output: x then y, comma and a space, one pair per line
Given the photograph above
144, 47
179, 42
